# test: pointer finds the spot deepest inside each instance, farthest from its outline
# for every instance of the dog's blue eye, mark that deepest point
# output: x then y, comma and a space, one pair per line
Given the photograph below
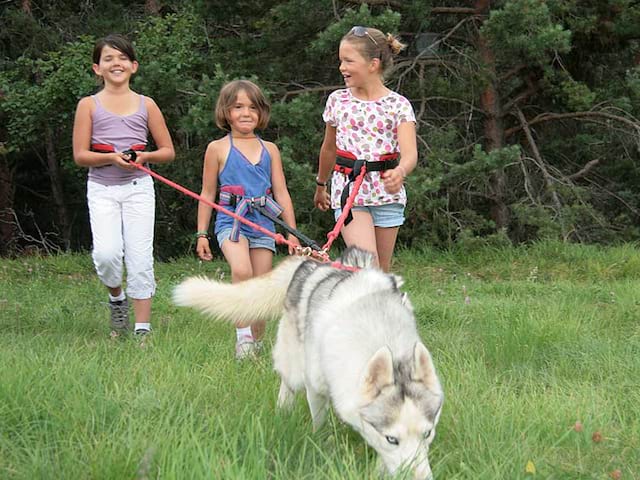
392, 440
427, 433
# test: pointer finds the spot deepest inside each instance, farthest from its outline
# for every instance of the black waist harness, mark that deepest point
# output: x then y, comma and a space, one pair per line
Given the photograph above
348, 164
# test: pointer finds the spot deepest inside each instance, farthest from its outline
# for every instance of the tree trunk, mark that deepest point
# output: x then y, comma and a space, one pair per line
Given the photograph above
7, 189
493, 126
152, 7
62, 213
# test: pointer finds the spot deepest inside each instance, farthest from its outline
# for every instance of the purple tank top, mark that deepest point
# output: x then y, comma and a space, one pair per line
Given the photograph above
120, 131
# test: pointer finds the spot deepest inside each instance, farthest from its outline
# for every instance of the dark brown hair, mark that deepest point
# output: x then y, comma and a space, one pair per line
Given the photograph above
375, 44
116, 41
228, 96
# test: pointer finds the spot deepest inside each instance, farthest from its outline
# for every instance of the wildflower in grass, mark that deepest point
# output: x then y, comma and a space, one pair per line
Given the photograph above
530, 468
533, 275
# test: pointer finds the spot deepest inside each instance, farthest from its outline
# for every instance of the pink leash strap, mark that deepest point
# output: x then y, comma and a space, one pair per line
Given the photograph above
277, 236
333, 234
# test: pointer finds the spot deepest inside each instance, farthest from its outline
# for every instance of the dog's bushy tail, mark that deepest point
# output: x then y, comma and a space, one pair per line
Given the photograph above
244, 303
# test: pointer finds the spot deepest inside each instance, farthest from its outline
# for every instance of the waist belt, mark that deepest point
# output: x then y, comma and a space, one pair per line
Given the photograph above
106, 148
348, 164
264, 204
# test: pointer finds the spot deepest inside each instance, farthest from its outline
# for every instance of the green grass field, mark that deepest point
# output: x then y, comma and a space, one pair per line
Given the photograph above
527, 342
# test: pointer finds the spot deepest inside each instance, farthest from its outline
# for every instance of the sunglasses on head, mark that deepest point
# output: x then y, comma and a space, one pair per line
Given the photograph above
360, 31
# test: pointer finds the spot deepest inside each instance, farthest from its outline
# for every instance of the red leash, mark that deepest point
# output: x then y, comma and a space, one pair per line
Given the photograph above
322, 255
277, 236
104, 148
333, 234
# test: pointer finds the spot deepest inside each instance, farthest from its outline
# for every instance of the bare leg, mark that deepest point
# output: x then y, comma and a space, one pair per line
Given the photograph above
237, 256
361, 233
142, 309
386, 242
261, 263
116, 291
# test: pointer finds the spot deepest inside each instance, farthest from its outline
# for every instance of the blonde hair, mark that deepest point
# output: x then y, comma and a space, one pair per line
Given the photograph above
375, 44
227, 99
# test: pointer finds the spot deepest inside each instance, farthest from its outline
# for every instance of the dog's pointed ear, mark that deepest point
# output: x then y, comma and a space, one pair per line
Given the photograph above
423, 369
378, 374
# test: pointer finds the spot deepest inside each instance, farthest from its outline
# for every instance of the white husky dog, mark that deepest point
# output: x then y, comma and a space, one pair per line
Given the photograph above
348, 335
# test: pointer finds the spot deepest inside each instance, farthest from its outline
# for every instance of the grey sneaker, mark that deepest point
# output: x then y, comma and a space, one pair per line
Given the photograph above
119, 317
246, 348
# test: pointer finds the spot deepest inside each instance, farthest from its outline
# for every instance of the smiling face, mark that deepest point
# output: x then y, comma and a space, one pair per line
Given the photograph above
357, 70
243, 115
115, 67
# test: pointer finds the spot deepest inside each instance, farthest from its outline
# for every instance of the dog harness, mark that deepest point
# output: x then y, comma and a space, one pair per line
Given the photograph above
233, 195
348, 164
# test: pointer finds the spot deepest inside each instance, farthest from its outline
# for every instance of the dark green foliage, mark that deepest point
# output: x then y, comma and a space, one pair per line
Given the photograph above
569, 68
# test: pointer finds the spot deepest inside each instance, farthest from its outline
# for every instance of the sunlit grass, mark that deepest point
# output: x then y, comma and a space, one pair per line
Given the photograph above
527, 341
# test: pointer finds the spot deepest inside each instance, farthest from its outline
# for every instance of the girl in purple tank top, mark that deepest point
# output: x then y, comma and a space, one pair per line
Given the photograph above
121, 198
241, 166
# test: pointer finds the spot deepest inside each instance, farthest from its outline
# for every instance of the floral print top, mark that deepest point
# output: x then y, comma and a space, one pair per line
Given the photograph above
367, 129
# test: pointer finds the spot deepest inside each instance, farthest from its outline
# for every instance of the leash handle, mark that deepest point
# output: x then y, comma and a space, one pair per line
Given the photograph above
132, 155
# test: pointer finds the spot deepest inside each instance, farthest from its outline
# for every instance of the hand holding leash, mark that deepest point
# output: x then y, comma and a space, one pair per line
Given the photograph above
137, 157
294, 245
393, 179
121, 160
127, 160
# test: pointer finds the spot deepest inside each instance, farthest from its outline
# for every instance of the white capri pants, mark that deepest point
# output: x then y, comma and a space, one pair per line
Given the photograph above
122, 222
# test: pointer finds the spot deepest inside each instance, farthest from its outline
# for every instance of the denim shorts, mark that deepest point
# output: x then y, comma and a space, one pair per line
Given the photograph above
386, 216
254, 242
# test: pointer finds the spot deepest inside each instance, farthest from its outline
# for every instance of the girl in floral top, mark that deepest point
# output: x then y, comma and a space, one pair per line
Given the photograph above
368, 120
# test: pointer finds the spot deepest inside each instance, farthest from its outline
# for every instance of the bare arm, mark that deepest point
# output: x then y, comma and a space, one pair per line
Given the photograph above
394, 178
209, 187
160, 133
325, 166
281, 192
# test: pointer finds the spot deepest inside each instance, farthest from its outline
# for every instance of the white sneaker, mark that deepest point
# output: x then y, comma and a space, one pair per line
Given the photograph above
246, 347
